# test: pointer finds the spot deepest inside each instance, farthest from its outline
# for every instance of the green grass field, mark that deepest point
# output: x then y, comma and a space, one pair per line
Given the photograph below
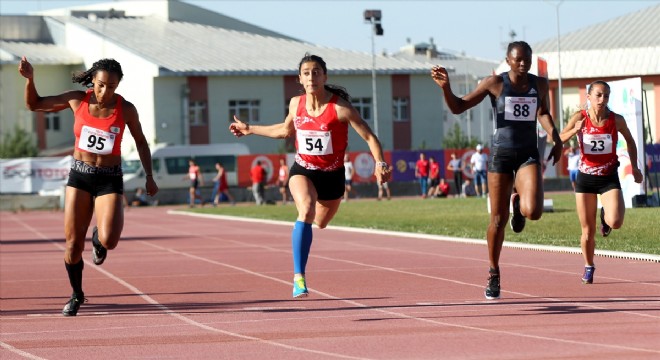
469, 218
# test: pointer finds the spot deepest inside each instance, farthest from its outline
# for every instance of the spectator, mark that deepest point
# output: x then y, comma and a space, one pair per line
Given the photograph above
456, 166
573, 156
468, 188
196, 180
283, 181
221, 187
384, 187
258, 176
349, 171
442, 190
434, 176
422, 173
479, 164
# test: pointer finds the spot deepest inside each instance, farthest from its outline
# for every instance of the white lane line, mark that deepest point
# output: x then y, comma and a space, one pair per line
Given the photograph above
186, 320
516, 245
405, 316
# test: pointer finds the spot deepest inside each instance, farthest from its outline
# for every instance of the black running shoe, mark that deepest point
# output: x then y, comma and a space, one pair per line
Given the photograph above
71, 307
99, 253
517, 219
604, 228
493, 289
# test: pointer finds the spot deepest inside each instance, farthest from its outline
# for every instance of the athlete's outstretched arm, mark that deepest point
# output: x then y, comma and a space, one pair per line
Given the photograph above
34, 102
454, 103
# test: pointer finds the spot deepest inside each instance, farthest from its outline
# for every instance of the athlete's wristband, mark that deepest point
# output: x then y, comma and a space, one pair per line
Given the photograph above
382, 164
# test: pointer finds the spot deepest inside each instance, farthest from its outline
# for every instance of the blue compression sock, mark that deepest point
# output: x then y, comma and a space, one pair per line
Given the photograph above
301, 242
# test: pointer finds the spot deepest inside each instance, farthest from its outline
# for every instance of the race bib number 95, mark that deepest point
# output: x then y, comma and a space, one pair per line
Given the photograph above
597, 144
314, 142
96, 141
520, 108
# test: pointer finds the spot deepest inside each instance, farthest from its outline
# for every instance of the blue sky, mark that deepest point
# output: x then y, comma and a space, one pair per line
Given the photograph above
479, 28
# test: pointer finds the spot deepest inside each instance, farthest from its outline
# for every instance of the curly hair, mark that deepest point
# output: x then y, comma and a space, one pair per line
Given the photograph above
335, 89
110, 65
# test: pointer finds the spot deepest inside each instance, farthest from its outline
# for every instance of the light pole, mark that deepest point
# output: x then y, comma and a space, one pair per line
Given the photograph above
560, 113
373, 17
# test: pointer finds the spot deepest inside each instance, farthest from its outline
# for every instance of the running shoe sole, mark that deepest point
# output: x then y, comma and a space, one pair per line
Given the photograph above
605, 229
517, 219
99, 253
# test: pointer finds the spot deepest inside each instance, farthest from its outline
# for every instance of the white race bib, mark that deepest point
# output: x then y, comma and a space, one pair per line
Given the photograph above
96, 141
597, 144
312, 142
520, 108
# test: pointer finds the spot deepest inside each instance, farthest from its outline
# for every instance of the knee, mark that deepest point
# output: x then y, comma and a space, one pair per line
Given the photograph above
616, 224
74, 247
109, 241
307, 213
532, 212
322, 224
498, 222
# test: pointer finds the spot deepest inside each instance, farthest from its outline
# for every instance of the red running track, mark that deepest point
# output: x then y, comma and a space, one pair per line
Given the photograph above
182, 287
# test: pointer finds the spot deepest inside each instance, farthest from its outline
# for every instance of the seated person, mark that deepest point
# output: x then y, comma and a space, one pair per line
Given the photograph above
442, 190
468, 188
140, 198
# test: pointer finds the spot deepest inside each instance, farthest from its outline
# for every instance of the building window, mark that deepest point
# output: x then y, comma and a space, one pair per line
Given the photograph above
363, 106
52, 121
400, 109
197, 113
245, 110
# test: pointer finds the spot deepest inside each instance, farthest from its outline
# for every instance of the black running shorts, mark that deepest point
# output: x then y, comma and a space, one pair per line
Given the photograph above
329, 184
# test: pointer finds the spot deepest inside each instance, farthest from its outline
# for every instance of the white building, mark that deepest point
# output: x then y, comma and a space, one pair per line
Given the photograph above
188, 70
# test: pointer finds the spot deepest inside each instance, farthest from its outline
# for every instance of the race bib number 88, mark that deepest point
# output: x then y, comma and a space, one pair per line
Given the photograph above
314, 142
520, 108
597, 144
96, 141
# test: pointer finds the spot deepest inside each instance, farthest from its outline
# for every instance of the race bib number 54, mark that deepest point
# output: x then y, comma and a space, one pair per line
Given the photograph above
520, 108
96, 141
314, 142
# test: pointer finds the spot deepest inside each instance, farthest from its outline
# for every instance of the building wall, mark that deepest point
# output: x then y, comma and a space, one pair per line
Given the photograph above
269, 90
49, 80
427, 113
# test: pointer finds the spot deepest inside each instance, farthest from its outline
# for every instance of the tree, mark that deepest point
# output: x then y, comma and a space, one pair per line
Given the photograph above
456, 139
17, 144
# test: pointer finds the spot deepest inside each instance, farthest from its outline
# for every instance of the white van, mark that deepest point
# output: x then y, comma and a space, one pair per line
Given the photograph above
170, 164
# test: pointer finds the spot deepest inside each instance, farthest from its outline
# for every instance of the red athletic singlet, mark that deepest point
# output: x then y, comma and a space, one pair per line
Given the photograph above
320, 141
98, 135
598, 146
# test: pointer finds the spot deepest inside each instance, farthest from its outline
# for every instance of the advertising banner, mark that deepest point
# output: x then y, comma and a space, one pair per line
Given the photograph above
31, 175
404, 163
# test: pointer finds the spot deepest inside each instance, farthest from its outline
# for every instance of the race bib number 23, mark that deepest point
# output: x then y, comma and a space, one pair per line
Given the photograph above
96, 141
597, 144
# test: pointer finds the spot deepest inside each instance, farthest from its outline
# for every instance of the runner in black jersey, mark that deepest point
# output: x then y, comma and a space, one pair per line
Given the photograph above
519, 100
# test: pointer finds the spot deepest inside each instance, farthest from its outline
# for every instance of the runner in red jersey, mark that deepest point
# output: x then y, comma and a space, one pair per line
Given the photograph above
597, 131
95, 182
319, 120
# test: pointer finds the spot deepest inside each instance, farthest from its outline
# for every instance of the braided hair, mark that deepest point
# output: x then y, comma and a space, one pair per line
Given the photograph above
520, 44
110, 65
335, 89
